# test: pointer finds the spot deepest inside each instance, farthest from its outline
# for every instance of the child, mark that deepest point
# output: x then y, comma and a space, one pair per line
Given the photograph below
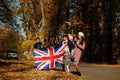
67, 58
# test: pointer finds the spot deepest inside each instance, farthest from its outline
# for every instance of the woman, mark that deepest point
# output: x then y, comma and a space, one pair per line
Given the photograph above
80, 46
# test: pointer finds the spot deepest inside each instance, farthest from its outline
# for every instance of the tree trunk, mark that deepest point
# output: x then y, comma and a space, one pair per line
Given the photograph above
49, 12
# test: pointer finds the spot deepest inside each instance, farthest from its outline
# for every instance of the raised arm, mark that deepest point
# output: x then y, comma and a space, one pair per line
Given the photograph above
81, 46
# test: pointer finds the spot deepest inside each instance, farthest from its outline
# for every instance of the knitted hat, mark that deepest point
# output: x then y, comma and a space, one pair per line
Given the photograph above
81, 34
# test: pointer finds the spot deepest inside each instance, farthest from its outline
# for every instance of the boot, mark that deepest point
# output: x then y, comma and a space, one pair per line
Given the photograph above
63, 67
79, 73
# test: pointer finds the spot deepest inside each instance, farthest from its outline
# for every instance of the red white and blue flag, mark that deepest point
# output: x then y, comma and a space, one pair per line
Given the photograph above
49, 58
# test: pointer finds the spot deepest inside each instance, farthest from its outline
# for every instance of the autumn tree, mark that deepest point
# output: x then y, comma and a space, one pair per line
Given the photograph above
98, 19
5, 15
9, 40
38, 17
12, 17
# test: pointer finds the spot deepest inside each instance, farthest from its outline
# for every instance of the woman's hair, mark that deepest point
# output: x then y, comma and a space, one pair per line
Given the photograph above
83, 40
37, 38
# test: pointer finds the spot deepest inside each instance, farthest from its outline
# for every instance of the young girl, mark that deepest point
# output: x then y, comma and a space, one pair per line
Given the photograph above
67, 61
65, 41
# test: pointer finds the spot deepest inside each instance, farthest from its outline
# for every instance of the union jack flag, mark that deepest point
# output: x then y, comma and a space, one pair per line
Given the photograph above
49, 58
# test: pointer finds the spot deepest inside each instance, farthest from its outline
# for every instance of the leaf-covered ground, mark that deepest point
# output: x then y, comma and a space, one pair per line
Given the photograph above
25, 70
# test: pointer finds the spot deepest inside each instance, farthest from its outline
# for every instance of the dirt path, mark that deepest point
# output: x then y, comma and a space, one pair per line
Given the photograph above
99, 72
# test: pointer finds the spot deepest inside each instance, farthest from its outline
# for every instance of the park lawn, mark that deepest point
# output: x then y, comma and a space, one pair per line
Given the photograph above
25, 70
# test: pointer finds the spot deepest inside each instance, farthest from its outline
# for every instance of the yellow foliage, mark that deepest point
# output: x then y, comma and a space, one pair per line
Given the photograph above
42, 36
22, 1
27, 44
69, 23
